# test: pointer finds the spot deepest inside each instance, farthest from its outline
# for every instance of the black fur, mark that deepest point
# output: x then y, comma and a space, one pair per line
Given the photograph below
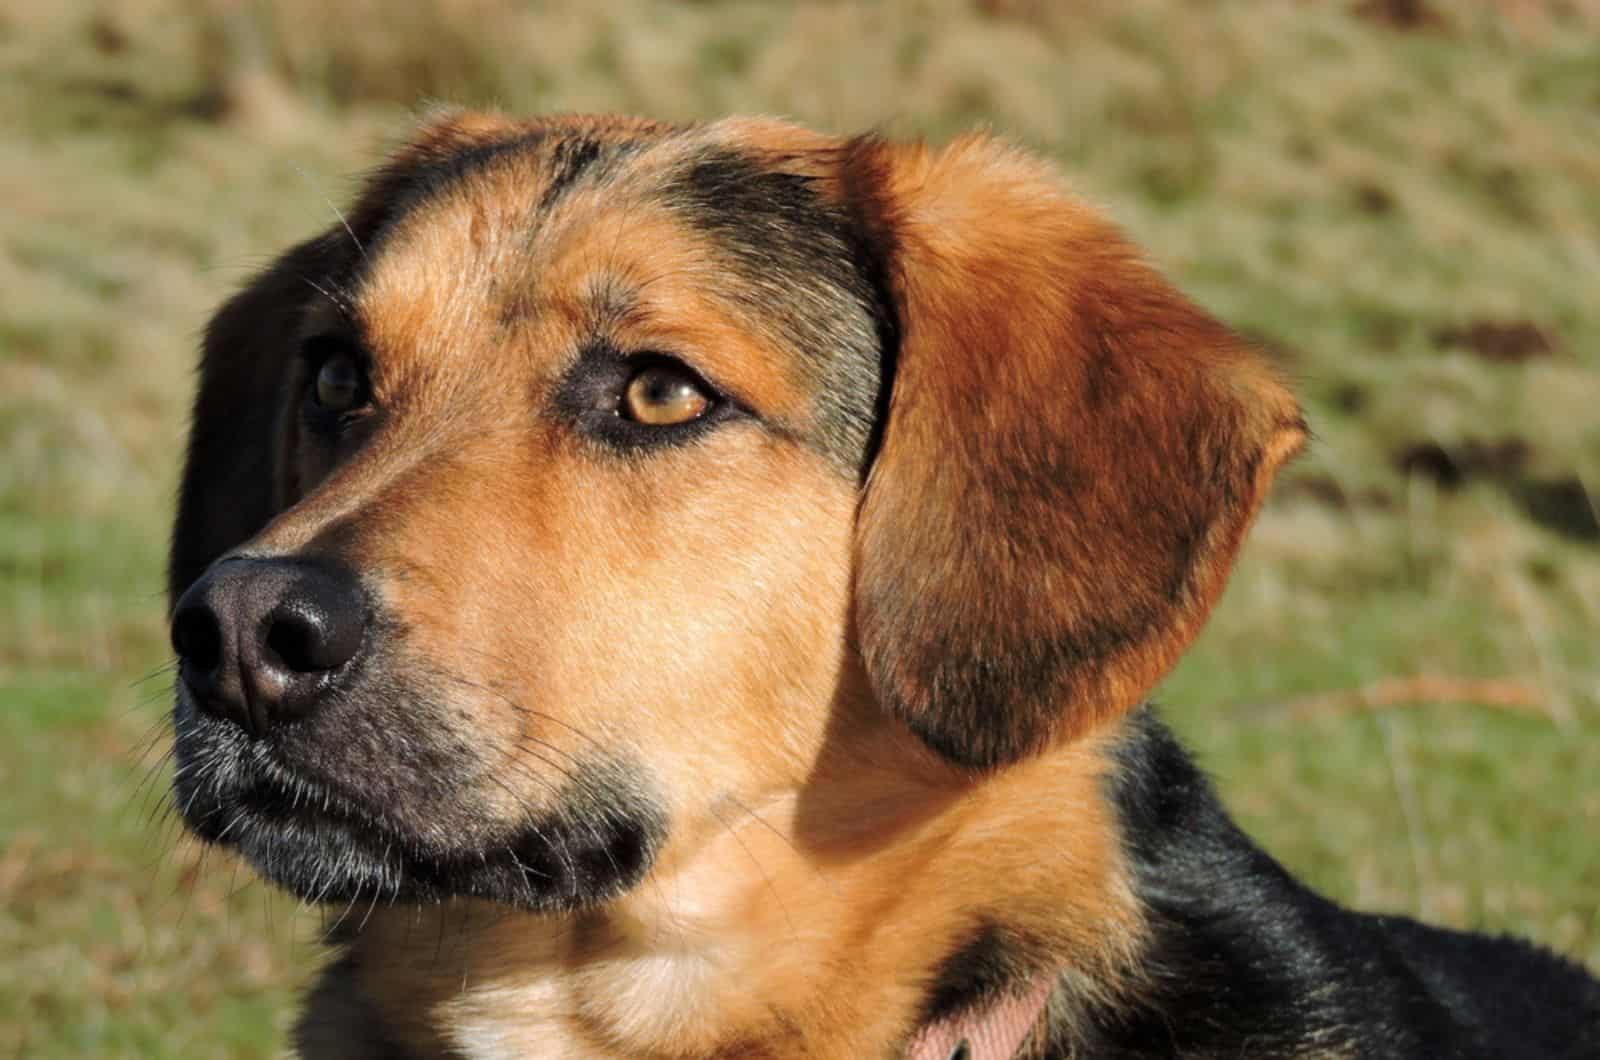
1244, 960
338, 1021
873, 246
229, 488
803, 269
569, 160
990, 963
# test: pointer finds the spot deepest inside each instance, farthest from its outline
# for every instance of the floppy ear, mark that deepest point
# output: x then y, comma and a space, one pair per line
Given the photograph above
1072, 454
230, 486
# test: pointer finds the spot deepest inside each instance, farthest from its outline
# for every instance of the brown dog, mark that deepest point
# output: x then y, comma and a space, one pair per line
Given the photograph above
688, 592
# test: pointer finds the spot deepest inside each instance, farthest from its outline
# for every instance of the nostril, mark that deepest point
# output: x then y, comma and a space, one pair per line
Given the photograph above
197, 638
299, 643
312, 635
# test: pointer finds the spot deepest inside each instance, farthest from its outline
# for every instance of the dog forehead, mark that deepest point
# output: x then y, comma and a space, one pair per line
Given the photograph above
557, 235
475, 238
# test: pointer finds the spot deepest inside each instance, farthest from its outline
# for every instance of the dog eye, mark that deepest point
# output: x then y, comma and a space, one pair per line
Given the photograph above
338, 383
662, 395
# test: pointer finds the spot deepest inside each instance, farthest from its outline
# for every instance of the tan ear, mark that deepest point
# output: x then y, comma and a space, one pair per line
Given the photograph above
1072, 454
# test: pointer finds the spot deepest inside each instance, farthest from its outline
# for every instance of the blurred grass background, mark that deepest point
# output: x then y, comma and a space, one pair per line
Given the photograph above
1400, 694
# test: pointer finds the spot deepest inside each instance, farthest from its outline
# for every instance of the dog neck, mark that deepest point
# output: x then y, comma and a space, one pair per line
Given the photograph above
862, 914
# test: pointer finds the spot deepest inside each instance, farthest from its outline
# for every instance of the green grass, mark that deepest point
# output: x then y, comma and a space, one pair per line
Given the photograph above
1348, 193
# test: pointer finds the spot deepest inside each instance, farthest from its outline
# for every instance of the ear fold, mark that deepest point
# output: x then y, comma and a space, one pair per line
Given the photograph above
1072, 454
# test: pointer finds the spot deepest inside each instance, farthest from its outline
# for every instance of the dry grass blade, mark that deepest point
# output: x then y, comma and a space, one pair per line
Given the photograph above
1508, 694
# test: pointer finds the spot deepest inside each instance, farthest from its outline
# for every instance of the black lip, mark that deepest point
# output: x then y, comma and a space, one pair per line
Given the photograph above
325, 846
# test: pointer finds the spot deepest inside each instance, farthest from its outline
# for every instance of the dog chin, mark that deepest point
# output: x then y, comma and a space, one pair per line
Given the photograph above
324, 847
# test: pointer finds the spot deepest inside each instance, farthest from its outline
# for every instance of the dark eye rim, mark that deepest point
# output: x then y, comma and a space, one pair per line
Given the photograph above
591, 398
315, 352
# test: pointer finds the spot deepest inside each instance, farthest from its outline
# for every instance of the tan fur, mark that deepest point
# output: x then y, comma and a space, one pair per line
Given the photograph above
1063, 382
724, 614
778, 936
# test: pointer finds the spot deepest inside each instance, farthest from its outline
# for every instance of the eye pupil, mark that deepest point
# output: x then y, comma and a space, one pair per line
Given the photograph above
661, 396
338, 383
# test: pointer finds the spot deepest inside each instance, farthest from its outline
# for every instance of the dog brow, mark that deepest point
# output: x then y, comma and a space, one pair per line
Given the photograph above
799, 264
569, 157
569, 160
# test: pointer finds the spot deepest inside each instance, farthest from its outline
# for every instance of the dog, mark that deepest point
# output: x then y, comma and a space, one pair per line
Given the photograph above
690, 591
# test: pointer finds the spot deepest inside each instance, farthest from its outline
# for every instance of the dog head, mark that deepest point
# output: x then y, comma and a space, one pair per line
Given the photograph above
595, 472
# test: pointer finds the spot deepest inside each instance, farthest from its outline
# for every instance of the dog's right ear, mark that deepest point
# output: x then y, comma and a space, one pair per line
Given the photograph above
229, 489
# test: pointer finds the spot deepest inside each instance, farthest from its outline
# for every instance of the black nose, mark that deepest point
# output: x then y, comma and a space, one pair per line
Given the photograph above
259, 641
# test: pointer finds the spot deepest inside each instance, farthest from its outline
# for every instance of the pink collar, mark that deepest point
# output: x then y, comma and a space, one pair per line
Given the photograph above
993, 1032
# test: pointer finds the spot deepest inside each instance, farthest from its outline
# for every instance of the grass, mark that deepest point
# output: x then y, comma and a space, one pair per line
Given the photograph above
1409, 216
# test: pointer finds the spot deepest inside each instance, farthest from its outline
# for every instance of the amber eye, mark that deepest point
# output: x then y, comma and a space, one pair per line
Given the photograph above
661, 396
338, 385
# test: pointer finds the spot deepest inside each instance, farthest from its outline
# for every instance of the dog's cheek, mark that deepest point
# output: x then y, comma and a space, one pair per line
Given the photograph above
686, 613
694, 615
747, 621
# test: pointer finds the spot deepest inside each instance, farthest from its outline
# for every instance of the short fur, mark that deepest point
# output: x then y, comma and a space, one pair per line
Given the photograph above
810, 723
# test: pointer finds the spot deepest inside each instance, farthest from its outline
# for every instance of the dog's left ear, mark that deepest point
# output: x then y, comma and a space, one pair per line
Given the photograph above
1072, 454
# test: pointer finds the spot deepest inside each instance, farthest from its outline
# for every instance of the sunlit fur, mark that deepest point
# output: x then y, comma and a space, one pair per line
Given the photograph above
850, 670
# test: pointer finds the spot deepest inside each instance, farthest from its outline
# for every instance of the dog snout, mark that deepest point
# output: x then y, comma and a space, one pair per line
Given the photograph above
260, 641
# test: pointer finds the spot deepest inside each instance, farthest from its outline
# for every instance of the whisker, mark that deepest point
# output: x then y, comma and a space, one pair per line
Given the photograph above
349, 906
339, 302
821, 876
760, 868
522, 708
377, 892
579, 780
351, 232
165, 669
